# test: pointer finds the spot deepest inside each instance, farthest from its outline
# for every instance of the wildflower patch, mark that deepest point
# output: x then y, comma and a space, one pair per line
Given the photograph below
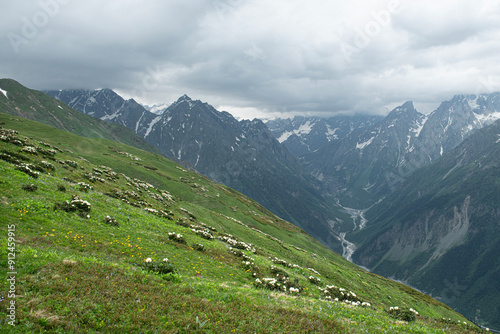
227, 238
279, 283
332, 292
202, 232
405, 314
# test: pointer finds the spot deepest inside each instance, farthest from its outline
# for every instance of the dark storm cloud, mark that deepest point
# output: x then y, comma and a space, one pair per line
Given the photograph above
255, 57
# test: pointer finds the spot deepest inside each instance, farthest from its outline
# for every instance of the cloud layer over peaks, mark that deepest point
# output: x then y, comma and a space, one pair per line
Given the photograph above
258, 57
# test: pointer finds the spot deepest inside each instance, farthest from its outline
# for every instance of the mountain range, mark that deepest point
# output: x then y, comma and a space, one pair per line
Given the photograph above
117, 239
303, 135
369, 164
366, 182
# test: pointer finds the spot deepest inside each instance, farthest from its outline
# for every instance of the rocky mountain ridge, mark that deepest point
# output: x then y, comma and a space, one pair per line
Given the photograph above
302, 135
369, 164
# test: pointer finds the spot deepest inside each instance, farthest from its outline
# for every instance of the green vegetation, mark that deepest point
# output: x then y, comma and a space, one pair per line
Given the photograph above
109, 238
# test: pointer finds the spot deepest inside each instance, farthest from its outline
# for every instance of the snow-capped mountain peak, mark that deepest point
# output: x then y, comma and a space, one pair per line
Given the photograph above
157, 109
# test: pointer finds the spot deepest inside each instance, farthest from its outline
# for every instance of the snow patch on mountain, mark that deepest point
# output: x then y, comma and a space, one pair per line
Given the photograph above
362, 145
112, 116
473, 103
157, 109
331, 133
4, 92
487, 119
150, 127
450, 119
139, 122
417, 129
72, 102
284, 136
303, 129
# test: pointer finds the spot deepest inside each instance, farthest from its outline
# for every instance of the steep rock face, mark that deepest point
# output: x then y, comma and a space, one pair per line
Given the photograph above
440, 231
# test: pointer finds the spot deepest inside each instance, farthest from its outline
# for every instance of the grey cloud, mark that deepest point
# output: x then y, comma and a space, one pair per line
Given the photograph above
296, 56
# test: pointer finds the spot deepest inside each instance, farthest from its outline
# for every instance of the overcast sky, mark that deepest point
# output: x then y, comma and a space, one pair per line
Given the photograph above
254, 57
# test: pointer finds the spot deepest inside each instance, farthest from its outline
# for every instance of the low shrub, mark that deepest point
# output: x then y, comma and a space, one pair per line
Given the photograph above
182, 223
198, 247
84, 186
29, 150
339, 294
111, 221
76, 205
158, 267
405, 314
314, 280
30, 187
9, 158
204, 233
27, 168
177, 237
71, 163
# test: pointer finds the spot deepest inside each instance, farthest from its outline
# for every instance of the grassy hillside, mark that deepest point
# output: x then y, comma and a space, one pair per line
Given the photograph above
86, 226
37, 106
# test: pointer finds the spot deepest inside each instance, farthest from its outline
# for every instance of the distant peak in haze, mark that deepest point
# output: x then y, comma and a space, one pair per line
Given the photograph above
157, 109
